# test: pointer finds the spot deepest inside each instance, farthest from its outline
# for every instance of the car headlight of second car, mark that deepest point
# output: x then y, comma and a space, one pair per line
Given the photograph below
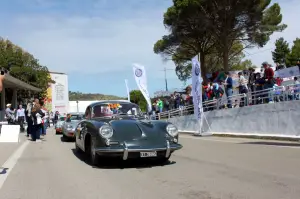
172, 130
106, 131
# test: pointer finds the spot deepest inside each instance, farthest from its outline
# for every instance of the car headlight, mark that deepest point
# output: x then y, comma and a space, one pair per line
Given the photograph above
172, 130
106, 131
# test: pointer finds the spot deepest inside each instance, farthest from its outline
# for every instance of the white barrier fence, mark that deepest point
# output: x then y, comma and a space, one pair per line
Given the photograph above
264, 120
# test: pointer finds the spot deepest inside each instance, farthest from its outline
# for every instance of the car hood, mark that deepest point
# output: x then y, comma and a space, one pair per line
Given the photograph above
73, 123
139, 130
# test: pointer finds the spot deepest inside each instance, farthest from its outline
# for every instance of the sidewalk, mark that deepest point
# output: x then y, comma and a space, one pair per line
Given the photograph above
7, 149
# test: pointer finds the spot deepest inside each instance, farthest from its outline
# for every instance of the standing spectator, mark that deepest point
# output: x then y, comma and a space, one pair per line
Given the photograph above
55, 119
177, 100
228, 89
37, 115
51, 118
10, 114
166, 104
269, 79
172, 102
259, 87
279, 81
28, 116
251, 82
160, 105
21, 117
296, 88
243, 88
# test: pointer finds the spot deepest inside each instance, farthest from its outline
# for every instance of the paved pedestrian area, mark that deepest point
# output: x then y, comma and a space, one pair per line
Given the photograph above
206, 168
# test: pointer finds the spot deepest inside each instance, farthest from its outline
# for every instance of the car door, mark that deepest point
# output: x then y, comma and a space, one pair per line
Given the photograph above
79, 134
83, 128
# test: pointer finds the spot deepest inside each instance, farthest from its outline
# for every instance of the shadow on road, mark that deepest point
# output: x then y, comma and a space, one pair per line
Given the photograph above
115, 163
273, 144
4, 170
62, 139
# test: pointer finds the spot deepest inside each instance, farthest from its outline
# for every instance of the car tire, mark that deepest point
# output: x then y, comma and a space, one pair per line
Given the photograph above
94, 157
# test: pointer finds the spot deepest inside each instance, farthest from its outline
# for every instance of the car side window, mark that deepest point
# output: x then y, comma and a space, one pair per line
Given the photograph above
88, 113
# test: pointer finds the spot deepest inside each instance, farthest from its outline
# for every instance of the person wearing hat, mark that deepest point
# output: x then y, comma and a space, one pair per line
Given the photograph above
9, 114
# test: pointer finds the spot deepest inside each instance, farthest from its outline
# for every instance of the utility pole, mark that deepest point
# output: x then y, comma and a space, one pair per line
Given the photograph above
166, 81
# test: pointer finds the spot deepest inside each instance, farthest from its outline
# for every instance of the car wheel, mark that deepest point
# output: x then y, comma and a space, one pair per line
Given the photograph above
94, 157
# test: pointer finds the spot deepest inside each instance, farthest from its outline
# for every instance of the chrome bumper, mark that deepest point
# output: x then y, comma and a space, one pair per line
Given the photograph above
125, 150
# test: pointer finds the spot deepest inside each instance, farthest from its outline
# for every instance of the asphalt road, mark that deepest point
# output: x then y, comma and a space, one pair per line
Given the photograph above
206, 168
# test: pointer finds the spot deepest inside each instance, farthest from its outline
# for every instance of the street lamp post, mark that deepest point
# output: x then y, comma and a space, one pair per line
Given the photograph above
77, 107
166, 81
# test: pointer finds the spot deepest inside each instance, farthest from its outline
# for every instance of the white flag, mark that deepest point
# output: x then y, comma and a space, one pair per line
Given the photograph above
197, 88
288, 72
141, 80
128, 93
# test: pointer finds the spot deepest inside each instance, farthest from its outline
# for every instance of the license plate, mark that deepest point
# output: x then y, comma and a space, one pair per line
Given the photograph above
148, 154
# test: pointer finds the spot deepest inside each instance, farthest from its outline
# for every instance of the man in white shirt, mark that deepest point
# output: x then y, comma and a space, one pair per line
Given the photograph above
21, 117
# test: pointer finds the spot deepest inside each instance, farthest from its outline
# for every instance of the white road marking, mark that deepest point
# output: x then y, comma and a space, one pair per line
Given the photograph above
240, 141
11, 162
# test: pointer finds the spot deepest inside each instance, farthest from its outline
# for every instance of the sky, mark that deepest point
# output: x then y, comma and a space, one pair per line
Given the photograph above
97, 42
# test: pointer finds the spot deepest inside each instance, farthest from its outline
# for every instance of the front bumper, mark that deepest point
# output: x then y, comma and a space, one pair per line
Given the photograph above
69, 134
125, 151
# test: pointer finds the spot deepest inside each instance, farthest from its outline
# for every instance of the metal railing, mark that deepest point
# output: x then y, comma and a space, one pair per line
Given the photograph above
272, 95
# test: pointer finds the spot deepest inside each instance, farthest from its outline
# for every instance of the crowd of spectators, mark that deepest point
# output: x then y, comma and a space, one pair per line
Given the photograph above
34, 114
259, 84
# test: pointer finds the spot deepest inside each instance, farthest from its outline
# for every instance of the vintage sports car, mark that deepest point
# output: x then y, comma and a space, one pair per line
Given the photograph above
120, 129
70, 124
59, 124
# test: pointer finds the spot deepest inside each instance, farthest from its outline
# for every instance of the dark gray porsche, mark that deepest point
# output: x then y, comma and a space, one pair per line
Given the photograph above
120, 129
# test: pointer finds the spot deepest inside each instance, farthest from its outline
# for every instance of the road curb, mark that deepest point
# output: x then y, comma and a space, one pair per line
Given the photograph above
249, 136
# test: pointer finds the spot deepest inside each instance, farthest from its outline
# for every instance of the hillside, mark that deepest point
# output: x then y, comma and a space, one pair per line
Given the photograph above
74, 96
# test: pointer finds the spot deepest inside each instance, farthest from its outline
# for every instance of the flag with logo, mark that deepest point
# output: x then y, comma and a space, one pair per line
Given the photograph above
141, 81
288, 72
197, 88
127, 88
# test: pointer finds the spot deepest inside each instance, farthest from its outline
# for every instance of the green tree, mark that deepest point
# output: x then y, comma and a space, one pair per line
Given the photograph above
209, 27
24, 66
74, 96
294, 55
243, 65
138, 98
281, 51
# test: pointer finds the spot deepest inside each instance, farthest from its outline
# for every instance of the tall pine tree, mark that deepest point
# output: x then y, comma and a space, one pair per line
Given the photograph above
281, 51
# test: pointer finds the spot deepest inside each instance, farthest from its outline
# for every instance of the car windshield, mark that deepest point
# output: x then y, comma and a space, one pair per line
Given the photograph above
74, 117
110, 109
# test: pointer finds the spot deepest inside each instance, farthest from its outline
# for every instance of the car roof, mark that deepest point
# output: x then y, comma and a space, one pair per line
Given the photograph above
111, 101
